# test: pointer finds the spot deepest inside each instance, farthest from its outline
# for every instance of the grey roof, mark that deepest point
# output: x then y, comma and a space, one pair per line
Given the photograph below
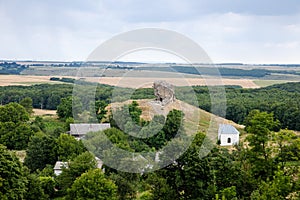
227, 129
59, 165
82, 129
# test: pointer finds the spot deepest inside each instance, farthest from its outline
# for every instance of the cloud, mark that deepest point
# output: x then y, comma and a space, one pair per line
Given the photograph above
229, 30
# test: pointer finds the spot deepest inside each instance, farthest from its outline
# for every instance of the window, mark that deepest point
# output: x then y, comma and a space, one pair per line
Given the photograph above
228, 140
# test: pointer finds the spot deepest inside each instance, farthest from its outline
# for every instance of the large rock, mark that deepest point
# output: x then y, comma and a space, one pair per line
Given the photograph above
164, 92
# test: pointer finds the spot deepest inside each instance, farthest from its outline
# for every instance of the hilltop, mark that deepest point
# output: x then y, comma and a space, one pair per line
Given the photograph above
196, 119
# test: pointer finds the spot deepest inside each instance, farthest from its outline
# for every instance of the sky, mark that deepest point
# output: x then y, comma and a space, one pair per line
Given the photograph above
256, 31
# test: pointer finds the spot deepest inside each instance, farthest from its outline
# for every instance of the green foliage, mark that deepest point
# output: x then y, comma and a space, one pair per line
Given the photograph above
100, 110
15, 136
259, 125
127, 183
27, 104
281, 99
12, 176
127, 116
69, 121
13, 112
93, 185
64, 109
14, 131
277, 189
35, 190
174, 124
41, 151
48, 185
81, 164
68, 147
288, 146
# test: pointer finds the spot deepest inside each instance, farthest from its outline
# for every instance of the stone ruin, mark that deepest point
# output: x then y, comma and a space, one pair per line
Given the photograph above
164, 92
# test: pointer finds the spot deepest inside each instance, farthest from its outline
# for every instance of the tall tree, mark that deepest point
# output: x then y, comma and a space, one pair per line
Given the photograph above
260, 126
75, 168
12, 176
14, 130
41, 151
27, 104
68, 147
93, 185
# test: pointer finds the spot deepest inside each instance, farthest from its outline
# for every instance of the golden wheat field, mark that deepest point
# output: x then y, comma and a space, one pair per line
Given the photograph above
132, 82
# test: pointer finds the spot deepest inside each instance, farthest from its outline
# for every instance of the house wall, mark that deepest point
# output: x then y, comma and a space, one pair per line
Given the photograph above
224, 139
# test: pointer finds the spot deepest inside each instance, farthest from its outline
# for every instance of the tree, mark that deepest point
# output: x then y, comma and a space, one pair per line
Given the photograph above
69, 106
277, 189
69, 121
41, 151
174, 124
27, 104
64, 109
34, 188
93, 185
12, 176
13, 112
287, 147
14, 131
76, 167
100, 110
260, 125
68, 147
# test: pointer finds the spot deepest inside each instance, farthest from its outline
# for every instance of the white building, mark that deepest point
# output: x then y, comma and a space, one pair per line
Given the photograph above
59, 166
228, 135
80, 130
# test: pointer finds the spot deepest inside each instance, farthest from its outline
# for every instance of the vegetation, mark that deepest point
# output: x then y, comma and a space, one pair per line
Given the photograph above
11, 68
265, 165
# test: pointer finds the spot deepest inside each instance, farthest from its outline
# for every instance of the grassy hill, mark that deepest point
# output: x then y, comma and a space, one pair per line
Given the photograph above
195, 119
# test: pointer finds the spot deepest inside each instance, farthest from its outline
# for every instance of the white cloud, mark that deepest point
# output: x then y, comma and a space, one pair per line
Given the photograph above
230, 31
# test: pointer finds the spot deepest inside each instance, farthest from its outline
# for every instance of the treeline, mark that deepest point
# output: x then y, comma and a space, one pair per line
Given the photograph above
210, 71
48, 96
11, 68
281, 99
63, 79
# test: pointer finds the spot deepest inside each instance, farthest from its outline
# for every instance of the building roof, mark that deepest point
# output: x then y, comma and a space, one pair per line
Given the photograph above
82, 129
227, 129
59, 165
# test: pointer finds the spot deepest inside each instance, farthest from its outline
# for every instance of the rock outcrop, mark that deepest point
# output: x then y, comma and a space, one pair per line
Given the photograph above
164, 92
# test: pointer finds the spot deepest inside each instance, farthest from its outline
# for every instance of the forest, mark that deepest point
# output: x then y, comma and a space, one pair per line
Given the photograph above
282, 99
265, 164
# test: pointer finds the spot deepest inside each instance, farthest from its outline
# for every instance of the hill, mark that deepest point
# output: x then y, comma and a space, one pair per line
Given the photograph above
195, 119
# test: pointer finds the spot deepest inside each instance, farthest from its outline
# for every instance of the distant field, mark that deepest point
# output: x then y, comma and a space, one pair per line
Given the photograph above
39, 112
265, 83
133, 82
6, 80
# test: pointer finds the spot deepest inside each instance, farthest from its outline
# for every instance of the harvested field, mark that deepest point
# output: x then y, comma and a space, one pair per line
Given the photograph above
132, 82
147, 82
39, 112
6, 80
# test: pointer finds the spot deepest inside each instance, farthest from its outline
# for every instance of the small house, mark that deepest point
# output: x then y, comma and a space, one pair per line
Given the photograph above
80, 130
59, 166
228, 135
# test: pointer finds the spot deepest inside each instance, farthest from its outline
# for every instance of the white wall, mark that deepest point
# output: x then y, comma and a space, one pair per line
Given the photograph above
224, 138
